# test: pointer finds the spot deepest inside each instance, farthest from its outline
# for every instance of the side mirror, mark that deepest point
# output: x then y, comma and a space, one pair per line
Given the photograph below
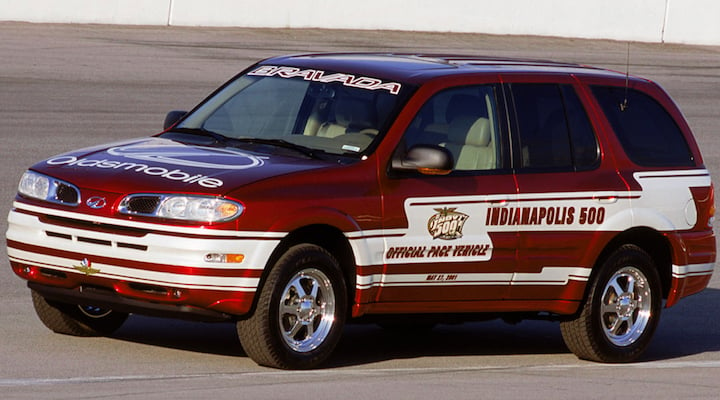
172, 118
426, 159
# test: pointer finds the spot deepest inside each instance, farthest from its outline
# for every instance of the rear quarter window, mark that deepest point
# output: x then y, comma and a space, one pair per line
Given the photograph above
646, 131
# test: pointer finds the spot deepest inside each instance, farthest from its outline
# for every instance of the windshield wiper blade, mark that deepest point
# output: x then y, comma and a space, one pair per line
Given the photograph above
231, 141
220, 139
312, 153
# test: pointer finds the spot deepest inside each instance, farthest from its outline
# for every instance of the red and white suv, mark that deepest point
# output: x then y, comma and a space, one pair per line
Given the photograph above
317, 189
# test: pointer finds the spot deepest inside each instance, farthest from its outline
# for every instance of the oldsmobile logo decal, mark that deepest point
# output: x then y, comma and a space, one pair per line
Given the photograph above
189, 156
144, 157
96, 202
447, 224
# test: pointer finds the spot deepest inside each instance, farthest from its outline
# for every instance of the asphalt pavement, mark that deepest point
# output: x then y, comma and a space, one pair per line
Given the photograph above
68, 86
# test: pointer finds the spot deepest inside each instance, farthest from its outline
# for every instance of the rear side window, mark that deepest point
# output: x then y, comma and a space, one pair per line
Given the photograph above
647, 132
554, 132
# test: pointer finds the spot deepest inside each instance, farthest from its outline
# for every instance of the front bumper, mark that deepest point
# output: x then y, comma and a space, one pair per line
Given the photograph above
138, 263
100, 297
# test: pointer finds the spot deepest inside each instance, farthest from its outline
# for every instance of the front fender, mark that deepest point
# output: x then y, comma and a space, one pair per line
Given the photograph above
315, 216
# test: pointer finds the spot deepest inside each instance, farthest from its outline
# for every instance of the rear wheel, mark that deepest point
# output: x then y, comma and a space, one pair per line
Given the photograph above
77, 320
621, 312
300, 311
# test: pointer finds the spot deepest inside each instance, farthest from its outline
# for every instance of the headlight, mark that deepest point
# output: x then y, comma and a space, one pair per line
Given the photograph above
182, 207
43, 187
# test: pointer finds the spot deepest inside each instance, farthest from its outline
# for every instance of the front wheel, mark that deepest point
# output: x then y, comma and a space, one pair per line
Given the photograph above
77, 320
621, 312
300, 311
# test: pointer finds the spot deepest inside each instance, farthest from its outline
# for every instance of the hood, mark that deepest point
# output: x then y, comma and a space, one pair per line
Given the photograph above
162, 165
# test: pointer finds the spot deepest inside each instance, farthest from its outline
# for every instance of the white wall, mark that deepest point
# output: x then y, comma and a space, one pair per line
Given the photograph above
613, 19
677, 21
693, 21
130, 12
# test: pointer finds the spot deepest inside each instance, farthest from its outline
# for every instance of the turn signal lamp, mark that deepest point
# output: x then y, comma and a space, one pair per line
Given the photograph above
229, 258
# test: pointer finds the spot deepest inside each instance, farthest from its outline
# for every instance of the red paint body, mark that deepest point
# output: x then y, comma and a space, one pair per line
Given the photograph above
356, 207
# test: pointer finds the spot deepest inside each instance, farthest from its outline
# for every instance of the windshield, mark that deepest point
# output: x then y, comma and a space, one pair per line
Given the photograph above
331, 112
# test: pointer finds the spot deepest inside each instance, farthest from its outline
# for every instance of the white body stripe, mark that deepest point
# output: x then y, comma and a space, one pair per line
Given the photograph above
664, 203
138, 275
162, 249
686, 271
145, 225
667, 203
553, 276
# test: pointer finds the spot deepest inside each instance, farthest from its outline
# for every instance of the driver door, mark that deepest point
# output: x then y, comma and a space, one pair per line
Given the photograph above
448, 238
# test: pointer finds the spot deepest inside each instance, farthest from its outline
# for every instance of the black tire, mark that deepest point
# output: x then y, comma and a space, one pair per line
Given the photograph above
621, 312
300, 311
76, 320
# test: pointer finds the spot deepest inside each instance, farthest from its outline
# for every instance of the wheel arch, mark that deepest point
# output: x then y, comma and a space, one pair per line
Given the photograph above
328, 237
653, 242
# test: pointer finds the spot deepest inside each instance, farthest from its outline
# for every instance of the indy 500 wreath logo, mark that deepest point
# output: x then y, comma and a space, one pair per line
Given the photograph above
447, 224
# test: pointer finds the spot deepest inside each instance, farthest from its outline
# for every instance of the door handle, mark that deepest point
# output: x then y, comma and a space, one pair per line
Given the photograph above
606, 198
501, 201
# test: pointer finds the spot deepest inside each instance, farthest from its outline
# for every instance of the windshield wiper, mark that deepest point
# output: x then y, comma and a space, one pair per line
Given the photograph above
312, 153
219, 139
231, 141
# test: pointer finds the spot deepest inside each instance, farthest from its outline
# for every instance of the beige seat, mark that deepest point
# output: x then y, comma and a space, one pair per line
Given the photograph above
350, 116
458, 105
470, 140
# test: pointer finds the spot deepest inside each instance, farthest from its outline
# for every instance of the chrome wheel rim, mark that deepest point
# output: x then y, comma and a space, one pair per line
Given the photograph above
626, 306
307, 310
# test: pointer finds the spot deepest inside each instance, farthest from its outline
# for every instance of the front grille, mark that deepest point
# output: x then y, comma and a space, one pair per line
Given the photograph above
51, 273
59, 235
140, 204
132, 246
92, 226
67, 194
94, 241
100, 242
149, 289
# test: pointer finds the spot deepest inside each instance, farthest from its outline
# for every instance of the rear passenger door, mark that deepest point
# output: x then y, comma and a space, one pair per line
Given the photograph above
569, 194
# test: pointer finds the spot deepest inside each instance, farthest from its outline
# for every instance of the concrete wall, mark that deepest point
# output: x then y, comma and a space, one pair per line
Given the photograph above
675, 21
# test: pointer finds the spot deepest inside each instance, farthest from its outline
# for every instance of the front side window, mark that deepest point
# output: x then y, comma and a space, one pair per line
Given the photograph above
553, 130
332, 112
463, 120
647, 132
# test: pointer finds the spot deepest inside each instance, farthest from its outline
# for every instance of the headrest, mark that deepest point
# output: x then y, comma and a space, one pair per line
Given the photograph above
465, 104
353, 112
471, 131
